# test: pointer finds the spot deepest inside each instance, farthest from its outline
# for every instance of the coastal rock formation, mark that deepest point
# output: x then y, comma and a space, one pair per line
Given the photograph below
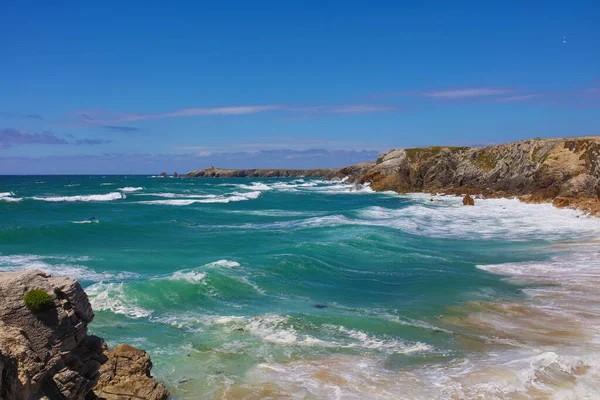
213, 172
536, 170
468, 201
49, 353
126, 374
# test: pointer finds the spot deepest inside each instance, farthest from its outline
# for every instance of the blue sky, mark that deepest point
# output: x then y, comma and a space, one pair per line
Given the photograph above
121, 87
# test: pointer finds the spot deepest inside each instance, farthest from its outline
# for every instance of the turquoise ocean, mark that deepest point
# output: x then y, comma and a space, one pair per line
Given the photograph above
309, 289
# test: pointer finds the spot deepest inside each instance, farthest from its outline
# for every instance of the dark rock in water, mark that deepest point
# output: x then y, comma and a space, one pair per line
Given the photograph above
50, 355
319, 306
164, 174
175, 175
468, 201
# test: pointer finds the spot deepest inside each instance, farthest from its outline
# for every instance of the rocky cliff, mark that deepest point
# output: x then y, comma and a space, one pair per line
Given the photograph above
49, 355
213, 172
565, 171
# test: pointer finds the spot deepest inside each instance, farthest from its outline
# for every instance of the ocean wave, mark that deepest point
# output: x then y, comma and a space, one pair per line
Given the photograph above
83, 198
9, 197
279, 329
507, 219
228, 198
112, 297
107, 184
129, 189
66, 266
87, 221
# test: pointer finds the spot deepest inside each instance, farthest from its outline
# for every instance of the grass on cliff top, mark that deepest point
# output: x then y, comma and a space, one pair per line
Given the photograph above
38, 300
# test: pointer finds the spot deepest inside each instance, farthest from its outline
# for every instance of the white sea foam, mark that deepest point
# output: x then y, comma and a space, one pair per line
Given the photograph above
107, 184
224, 263
86, 221
72, 185
507, 219
58, 266
83, 198
9, 197
190, 276
255, 186
112, 297
129, 189
228, 198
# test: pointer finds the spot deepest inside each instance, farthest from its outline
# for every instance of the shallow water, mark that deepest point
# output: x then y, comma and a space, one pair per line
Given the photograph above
283, 288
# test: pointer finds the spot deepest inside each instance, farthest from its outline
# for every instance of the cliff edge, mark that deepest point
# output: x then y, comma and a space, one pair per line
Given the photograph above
49, 355
563, 171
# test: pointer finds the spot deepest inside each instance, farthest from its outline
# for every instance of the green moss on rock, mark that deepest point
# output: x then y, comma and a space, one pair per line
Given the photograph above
38, 300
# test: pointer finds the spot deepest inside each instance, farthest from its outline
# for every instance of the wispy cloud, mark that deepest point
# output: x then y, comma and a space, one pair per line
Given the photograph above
510, 99
90, 142
110, 120
466, 93
11, 137
33, 116
116, 128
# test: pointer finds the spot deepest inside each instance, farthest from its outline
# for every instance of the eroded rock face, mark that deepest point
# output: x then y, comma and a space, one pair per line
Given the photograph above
50, 353
535, 170
126, 375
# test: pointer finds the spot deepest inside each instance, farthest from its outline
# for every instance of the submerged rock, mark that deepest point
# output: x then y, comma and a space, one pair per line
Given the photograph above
468, 201
50, 354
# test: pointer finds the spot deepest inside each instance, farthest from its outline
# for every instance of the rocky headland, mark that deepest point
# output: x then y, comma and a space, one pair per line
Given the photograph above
213, 172
48, 354
565, 172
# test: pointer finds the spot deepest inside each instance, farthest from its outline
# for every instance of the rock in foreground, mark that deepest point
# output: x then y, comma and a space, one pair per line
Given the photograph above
49, 355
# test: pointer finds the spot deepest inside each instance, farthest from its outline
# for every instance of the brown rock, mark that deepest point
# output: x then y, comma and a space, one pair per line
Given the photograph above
49, 354
126, 376
468, 201
561, 202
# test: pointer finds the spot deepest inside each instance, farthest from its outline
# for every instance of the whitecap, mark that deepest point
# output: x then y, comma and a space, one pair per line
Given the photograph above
112, 297
65, 267
129, 189
83, 198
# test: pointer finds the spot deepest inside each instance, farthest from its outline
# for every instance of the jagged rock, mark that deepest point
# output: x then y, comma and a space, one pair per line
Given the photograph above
164, 174
536, 170
48, 353
468, 201
175, 175
126, 375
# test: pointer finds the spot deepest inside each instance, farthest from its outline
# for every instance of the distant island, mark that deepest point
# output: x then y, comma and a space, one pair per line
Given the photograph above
564, 171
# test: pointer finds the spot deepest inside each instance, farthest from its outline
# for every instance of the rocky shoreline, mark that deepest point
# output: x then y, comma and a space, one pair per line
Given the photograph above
212, 172
49, 355
565, 172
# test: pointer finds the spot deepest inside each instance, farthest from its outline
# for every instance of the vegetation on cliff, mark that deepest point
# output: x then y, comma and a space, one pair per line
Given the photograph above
38, 300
